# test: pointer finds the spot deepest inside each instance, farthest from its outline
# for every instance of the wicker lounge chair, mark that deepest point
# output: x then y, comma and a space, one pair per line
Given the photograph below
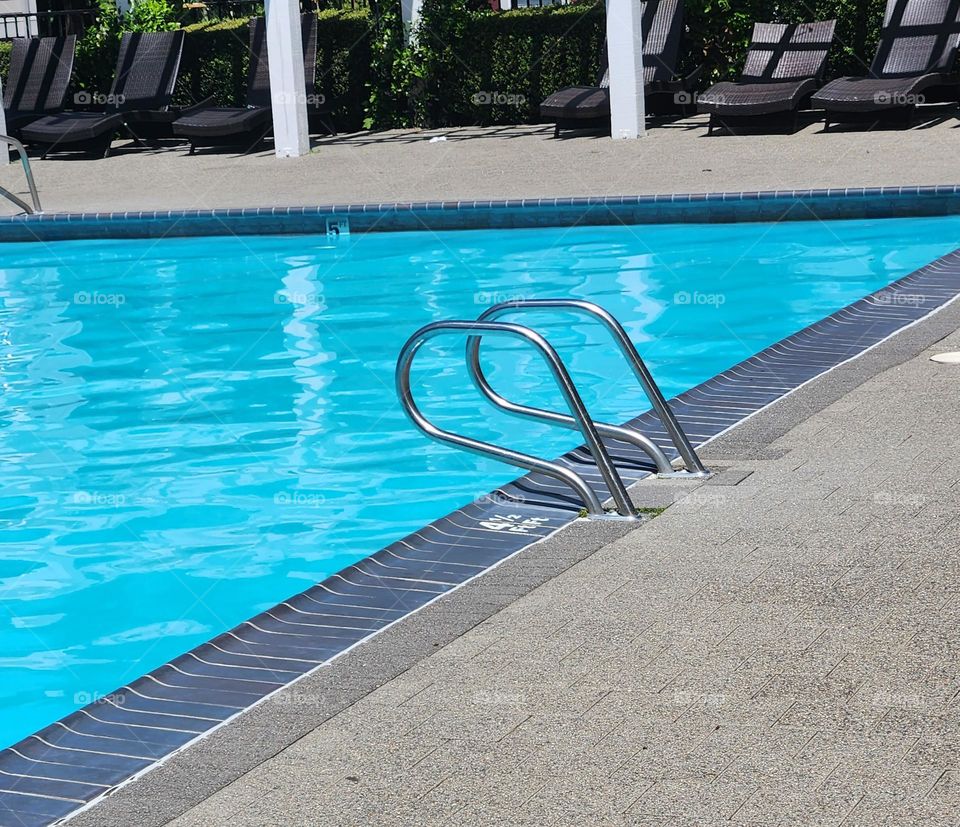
784, 65
146, 73
584, 107
40, 69
916, 57
247, 127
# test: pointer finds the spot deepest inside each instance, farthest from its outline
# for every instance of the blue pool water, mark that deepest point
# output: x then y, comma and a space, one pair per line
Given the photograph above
193, 430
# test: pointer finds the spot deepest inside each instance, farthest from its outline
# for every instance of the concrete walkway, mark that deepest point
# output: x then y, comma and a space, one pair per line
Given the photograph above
496, 163
782, 649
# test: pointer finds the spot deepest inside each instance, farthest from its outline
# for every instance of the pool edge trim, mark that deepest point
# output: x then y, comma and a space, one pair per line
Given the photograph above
886, 361
703, 207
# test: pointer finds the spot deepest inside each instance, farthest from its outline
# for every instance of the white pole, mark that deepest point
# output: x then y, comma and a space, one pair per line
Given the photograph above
625, 57
410, 13
288, 93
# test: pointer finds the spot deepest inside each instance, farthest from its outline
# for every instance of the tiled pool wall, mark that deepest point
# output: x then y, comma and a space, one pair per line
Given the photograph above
75, 761
774, 205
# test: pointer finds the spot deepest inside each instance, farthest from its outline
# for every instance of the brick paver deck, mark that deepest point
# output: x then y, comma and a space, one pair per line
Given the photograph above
785, 650
496, 163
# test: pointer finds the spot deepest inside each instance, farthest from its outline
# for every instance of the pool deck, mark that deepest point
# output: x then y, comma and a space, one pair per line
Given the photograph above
780, 646
497, 163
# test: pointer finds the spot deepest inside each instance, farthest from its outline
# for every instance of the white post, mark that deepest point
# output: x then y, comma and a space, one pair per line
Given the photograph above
4, 146
625, 57
410, 13
288, 93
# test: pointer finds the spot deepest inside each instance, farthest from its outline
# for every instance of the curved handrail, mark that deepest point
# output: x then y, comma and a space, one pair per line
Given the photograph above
694, 466
530, 463
25, 161
617, 432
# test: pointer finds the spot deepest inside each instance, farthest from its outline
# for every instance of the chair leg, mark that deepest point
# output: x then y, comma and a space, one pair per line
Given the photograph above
136, 138
556, 130
328, 125
193, 148
710, 126
259, 140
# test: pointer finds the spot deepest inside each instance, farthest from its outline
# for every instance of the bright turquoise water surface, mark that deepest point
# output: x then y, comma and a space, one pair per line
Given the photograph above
193, 430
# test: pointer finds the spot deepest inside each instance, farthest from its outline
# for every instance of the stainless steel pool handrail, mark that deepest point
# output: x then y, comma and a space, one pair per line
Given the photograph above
578, 410
25, 161
617, 432
677, 435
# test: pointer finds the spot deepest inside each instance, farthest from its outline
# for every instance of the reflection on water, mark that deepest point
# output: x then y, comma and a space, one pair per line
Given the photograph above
193, 430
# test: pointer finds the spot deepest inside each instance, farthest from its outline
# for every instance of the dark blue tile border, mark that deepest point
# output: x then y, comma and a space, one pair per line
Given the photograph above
780, 205
74, 761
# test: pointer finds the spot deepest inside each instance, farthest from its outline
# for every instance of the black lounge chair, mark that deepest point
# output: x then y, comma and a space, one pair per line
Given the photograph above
917, 55
146, 72
247, 127
784, 66
585, 107
36, 85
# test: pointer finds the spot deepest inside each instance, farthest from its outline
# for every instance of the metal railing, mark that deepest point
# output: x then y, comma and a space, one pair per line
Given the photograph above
578, 410
25, 161
621, 434
46, 23
622, 339
579, 418
530, 4
220, 9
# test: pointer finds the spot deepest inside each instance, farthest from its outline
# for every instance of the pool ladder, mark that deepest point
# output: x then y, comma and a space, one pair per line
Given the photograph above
28, 173
577, 420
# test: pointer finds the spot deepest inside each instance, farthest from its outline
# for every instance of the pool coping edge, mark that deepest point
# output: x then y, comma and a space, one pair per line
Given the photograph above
415, 637
703, 207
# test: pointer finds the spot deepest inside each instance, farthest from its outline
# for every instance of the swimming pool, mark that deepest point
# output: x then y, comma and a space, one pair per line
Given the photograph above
195, 429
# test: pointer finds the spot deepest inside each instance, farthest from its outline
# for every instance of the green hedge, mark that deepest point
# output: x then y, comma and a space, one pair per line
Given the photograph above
216, 57
718, 31
484, 67
470, 65
5, 49
513, 60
